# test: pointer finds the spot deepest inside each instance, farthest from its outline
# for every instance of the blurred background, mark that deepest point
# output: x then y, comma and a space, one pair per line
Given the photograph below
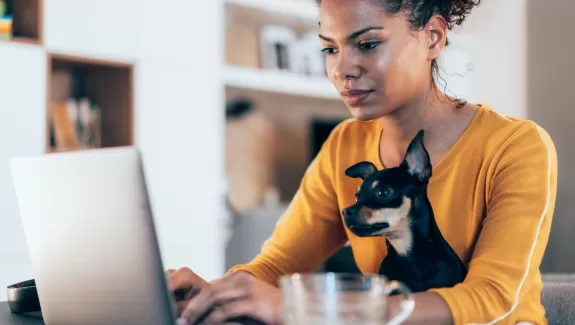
229, 102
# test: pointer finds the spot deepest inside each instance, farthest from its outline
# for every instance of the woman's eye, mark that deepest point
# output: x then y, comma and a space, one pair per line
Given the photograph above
368, 46
329, 50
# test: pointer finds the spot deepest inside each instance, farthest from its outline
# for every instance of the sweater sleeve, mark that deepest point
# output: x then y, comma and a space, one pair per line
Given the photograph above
509, 250
310, 230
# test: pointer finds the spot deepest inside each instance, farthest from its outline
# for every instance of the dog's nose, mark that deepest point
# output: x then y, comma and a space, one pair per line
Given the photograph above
350, 217
346, 213
350, 212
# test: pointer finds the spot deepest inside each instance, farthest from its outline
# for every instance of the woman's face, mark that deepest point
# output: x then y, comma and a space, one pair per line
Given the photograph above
377, 62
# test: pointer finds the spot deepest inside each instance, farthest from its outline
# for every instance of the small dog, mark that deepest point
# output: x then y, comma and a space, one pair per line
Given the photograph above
393, 203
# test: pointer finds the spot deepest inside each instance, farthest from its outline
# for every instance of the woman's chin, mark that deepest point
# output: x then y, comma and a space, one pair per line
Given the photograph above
365, 113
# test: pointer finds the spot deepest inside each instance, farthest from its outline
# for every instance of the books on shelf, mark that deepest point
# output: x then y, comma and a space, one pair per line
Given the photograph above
5, 28
76, 125
5, 21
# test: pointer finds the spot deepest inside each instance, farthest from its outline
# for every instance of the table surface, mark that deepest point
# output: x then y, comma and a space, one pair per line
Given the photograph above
7, 318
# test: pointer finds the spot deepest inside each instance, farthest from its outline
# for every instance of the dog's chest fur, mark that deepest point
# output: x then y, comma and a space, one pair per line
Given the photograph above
429, 263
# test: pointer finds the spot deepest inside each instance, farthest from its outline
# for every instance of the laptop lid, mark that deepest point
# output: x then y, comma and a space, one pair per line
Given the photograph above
91, 238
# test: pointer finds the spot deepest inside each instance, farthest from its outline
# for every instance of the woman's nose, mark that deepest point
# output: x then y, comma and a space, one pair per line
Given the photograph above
346, 68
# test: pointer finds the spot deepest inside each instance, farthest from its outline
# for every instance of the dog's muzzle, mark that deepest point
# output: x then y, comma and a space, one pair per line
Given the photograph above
358, 226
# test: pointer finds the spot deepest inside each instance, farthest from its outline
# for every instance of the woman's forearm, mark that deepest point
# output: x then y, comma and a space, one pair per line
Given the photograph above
430, 309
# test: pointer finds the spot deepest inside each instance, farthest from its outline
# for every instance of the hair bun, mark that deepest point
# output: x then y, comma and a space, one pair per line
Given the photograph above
458, 10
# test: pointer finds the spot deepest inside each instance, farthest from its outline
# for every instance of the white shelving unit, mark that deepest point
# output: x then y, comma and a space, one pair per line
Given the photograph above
281, 82
292, 12
300, 15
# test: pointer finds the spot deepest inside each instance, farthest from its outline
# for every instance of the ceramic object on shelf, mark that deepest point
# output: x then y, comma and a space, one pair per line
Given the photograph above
250, 155
298, 53
314, 58
275, 42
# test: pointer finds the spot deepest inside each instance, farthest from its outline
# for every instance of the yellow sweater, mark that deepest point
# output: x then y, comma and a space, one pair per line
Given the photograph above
493, 196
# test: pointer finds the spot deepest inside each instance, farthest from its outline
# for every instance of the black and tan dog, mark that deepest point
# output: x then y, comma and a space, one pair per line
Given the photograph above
393, 203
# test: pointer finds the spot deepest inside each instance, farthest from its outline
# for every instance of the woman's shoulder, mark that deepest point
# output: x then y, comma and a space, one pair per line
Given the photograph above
507, 136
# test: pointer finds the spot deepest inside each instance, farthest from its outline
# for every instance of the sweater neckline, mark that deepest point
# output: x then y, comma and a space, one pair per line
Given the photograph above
448, 158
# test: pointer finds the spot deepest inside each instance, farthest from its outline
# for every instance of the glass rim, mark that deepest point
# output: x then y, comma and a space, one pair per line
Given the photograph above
332, 276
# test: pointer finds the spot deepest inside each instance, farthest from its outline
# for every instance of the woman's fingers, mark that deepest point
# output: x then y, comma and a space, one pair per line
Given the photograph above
184, 284
210, 298
217, 294
237, 296
234, 309
184, 278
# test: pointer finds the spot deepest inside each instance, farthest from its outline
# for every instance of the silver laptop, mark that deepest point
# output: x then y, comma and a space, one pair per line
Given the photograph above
91, 238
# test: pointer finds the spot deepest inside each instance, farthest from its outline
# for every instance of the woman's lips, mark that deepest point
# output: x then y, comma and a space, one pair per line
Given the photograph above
354, 97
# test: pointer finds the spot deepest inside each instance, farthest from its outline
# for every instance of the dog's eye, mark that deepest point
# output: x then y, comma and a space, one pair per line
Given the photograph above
386, 191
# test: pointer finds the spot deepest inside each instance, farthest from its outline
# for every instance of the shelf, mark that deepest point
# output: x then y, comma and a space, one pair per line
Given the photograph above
296, 13
279, 82
26, 21
23, 40
108, 84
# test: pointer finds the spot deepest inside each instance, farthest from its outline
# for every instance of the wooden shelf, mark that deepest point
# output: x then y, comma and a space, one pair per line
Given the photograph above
108, 84
302, 14
279, 82
26, 21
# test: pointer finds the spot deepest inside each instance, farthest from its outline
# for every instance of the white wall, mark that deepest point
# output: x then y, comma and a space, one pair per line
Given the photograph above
497, 30
22, 132
179, 117
105, 28
180, 128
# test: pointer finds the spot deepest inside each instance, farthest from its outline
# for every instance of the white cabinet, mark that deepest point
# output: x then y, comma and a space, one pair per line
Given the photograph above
97, 28
22, 132
179, 128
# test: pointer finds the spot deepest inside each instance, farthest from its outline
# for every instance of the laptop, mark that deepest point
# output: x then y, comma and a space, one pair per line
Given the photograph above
91, 238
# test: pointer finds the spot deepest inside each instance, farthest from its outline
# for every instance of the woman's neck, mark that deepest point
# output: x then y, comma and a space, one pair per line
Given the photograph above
434, 113
420, 114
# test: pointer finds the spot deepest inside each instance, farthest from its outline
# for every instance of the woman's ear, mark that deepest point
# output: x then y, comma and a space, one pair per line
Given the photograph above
437, 32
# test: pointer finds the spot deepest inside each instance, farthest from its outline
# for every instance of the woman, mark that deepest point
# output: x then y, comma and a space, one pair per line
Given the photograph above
493, 185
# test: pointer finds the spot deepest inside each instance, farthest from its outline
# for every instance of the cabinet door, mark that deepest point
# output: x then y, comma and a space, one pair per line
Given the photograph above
180, 133
100, 28
180, 129
22, 132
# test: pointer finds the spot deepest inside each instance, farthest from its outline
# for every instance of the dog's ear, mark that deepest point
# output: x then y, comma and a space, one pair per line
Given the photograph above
416, 161
361, 170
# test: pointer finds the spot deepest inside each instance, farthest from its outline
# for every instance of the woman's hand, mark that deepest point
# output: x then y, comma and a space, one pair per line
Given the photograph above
236, 296
186, 284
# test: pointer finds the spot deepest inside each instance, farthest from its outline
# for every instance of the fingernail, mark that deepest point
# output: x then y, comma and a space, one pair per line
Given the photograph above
181, 321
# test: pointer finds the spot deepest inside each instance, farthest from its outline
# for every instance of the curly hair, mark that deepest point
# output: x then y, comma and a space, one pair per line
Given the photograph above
418, 12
